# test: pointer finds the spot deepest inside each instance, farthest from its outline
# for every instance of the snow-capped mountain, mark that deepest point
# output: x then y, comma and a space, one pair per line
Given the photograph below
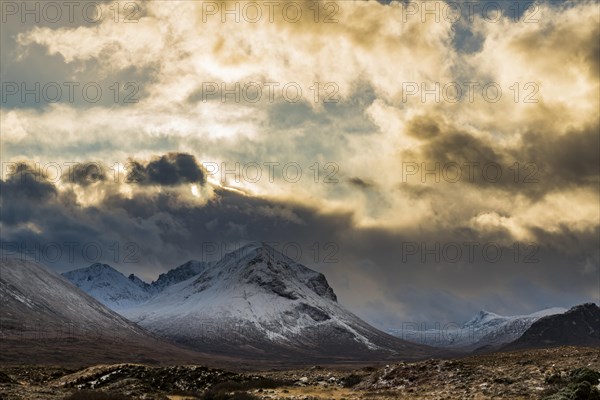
484, 330
45, 318
114, 290
109, 286
179, 274
258, 301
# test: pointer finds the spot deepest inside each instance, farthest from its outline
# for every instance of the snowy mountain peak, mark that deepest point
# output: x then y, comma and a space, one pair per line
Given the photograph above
183, 272
101, 268
138, 282
252, 251
261, 266
94, 271
481, 317
109, 286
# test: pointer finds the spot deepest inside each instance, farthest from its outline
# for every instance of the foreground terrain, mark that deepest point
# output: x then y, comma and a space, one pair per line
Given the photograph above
560, 373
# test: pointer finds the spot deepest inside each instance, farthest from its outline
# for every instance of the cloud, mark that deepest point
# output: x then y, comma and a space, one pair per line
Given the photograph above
360, 183
27, 182
85, 174
167, 170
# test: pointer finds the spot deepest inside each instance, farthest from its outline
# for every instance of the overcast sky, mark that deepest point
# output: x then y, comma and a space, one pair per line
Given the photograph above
430, 160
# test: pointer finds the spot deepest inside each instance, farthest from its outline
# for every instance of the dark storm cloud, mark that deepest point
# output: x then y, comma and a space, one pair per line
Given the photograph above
547, 161
460, 147
229, 218
167, 170
569, 159
85, 174
415, 191
25, 181
360, 183
422, 127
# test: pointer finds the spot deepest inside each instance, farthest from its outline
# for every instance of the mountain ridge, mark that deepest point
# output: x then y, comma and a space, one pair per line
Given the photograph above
116, 291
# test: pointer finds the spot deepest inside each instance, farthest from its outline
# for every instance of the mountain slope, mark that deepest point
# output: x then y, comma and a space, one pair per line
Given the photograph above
580, 326
484, 330
258, 302
45, 319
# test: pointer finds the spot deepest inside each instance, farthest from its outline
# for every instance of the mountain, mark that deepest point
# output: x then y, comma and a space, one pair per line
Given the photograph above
137, 281
179, 274
485, 330
580, 326
258, 302
109, 286
46, 319
117, 292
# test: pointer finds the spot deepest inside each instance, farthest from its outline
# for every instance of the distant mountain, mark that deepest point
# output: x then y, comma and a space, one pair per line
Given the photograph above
257, 301
485, 330
580, 326
179, 274
46, 319
109, 286
136, 280
117, 292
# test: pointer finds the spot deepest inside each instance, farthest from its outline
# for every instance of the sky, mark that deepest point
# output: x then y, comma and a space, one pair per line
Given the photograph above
431, 159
